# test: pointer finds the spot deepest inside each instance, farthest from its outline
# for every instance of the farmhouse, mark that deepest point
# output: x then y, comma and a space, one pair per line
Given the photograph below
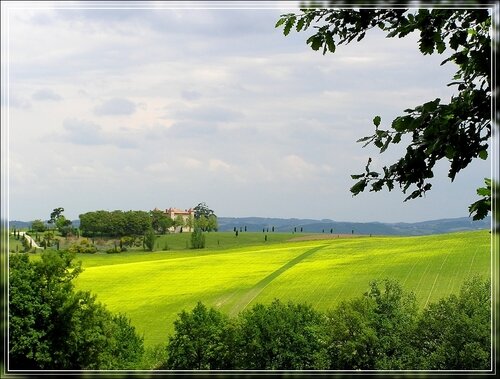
185, 214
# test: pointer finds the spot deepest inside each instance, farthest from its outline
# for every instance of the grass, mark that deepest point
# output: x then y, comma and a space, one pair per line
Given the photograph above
152, 288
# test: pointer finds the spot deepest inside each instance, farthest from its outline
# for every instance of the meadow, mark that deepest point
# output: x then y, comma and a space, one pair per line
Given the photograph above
233, 273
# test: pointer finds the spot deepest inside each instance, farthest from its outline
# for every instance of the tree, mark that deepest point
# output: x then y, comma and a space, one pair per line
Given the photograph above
201, 341
457, 131
197, 239
205, 218
55, 214
280, 336
373, 332
63, 225
38, 226
149, 240
455, 332
52, 327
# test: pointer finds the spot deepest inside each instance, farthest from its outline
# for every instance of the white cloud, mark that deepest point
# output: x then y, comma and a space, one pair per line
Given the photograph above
115, 107
45, 94
153, 102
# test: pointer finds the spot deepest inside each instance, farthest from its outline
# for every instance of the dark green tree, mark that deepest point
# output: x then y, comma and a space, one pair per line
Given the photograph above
373, 332
38, 226
455, 332
197, 239
457, 131
201, 341
280, 336
149, 240
52, 327
55, 214
205, 218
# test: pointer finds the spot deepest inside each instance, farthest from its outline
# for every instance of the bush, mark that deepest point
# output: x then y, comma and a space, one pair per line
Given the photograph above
280, 336
201, 341
149, 240
52, 327
455, 333
82, 247
197, 239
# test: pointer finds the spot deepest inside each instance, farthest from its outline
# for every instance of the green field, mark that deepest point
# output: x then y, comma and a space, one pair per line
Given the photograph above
152, 288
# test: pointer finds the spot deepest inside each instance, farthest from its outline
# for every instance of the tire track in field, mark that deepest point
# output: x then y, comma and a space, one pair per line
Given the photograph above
253, 292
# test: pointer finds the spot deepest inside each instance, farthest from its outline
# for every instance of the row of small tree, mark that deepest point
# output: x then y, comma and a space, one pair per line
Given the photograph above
382, 330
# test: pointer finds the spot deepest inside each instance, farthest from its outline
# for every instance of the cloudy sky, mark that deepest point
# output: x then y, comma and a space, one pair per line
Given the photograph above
140, 106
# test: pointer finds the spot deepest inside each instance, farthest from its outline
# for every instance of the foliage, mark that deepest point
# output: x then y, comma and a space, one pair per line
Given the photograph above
55, 214
160, 221
455, 332
372, 332
51, 327
82, 247
457, 131
64, 225
59, 220
197, 239
382, 330
114, 224
481, 207
200, 341
38, 226
205, 218
149, 240
280, 336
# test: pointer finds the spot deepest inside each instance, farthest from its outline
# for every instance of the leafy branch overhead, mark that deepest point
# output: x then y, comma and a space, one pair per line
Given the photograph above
457, 131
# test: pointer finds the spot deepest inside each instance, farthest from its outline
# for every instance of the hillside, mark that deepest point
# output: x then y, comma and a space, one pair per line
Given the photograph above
152, 288
256, 224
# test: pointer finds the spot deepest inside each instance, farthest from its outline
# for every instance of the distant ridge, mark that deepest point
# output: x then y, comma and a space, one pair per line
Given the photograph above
256, 224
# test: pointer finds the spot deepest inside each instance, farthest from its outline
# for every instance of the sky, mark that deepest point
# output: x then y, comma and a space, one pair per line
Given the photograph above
134, 106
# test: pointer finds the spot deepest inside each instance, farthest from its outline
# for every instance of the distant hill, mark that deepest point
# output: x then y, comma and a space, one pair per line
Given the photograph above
256, 224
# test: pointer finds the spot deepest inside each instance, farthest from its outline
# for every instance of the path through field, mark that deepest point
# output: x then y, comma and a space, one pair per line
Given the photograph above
247, 297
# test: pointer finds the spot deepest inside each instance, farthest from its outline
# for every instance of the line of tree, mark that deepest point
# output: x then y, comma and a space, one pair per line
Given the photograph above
115, 224
135, 223
382, 330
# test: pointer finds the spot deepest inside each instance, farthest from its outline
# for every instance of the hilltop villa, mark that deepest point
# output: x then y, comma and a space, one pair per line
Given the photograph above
173, 213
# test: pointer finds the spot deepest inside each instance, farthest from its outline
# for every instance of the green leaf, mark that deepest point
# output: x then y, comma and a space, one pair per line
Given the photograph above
483, 154
358, 187
376, 120
288, 26
280, 22
300, 24
316, 41
364, 139
330, 43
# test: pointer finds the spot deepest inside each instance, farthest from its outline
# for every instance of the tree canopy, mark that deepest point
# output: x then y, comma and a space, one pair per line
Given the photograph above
457, 131
52, 327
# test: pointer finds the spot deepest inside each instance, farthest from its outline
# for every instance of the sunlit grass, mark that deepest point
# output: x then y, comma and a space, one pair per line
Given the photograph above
152, 288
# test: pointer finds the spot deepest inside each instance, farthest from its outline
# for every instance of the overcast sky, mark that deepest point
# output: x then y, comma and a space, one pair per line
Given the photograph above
164, 106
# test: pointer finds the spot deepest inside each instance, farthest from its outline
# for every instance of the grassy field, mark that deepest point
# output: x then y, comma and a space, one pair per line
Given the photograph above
234, 273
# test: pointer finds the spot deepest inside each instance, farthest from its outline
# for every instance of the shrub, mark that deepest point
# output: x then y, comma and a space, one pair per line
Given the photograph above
82, 247
201, 341
197, 239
